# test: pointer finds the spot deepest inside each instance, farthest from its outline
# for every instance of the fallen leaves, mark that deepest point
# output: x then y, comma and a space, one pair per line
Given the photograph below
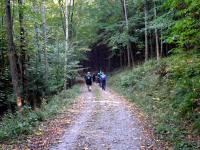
47, 133
38, 132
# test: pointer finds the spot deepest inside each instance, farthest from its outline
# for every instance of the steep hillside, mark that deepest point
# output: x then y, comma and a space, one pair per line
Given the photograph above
169, 93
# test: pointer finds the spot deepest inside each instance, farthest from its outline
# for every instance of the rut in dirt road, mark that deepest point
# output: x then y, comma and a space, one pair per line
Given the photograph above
105, 123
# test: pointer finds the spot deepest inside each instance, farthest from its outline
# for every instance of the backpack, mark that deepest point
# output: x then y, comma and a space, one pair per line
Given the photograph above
103, 77
88, 77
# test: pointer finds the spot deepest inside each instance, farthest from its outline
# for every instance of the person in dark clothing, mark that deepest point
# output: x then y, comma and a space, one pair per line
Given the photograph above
103, 79
88, 80
94, 77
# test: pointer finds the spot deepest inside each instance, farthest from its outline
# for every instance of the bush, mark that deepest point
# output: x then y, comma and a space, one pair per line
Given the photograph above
196, 125
168, 91
13, 125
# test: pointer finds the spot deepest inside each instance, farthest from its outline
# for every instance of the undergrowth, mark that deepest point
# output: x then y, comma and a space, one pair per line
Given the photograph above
13, 125
169, 93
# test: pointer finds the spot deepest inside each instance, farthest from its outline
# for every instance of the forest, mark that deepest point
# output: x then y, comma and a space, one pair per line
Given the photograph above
150, 48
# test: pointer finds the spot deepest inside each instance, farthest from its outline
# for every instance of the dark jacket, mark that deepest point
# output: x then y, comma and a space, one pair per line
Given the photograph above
88, 79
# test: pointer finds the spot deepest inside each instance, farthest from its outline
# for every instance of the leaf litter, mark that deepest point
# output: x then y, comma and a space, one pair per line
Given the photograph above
110, 123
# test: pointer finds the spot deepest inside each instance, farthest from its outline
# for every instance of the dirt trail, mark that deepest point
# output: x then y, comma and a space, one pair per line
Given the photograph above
106, 122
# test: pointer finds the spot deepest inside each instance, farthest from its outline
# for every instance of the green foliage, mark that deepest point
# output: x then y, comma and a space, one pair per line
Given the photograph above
168, 91
185, 31
103, 22
185, 80
196, 125
34, 84
91, 22
13, 125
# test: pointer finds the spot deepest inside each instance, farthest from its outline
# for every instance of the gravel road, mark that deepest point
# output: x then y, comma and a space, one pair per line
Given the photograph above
105, 123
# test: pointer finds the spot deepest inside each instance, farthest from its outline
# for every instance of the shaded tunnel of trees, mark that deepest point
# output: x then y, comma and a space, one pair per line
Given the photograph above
41, 49
101, 57
98, 59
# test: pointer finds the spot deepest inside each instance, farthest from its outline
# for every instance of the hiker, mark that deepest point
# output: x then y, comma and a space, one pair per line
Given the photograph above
103, 81
94, 77
99, 78
88, 80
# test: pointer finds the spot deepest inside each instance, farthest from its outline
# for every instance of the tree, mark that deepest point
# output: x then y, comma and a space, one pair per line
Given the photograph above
66, 43
184, 31
22, 56
156, 33
12, 55
127, 30
146, 32
45, 41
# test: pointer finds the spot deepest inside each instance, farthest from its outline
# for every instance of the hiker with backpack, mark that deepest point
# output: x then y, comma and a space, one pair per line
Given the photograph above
103, 79
88, 81
99, 77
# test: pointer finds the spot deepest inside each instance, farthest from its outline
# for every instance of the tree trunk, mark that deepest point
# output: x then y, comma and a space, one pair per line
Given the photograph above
132, 56
125, 59
1, 48
121, 59
166, 49
38, 59
156, 34
22, 45
45, 42
146, 32
12, 55
71, 14
161, 43
123, 2
151, 44
128, 46
66, 43
62, 15
72, 11
37, 55
58, 60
